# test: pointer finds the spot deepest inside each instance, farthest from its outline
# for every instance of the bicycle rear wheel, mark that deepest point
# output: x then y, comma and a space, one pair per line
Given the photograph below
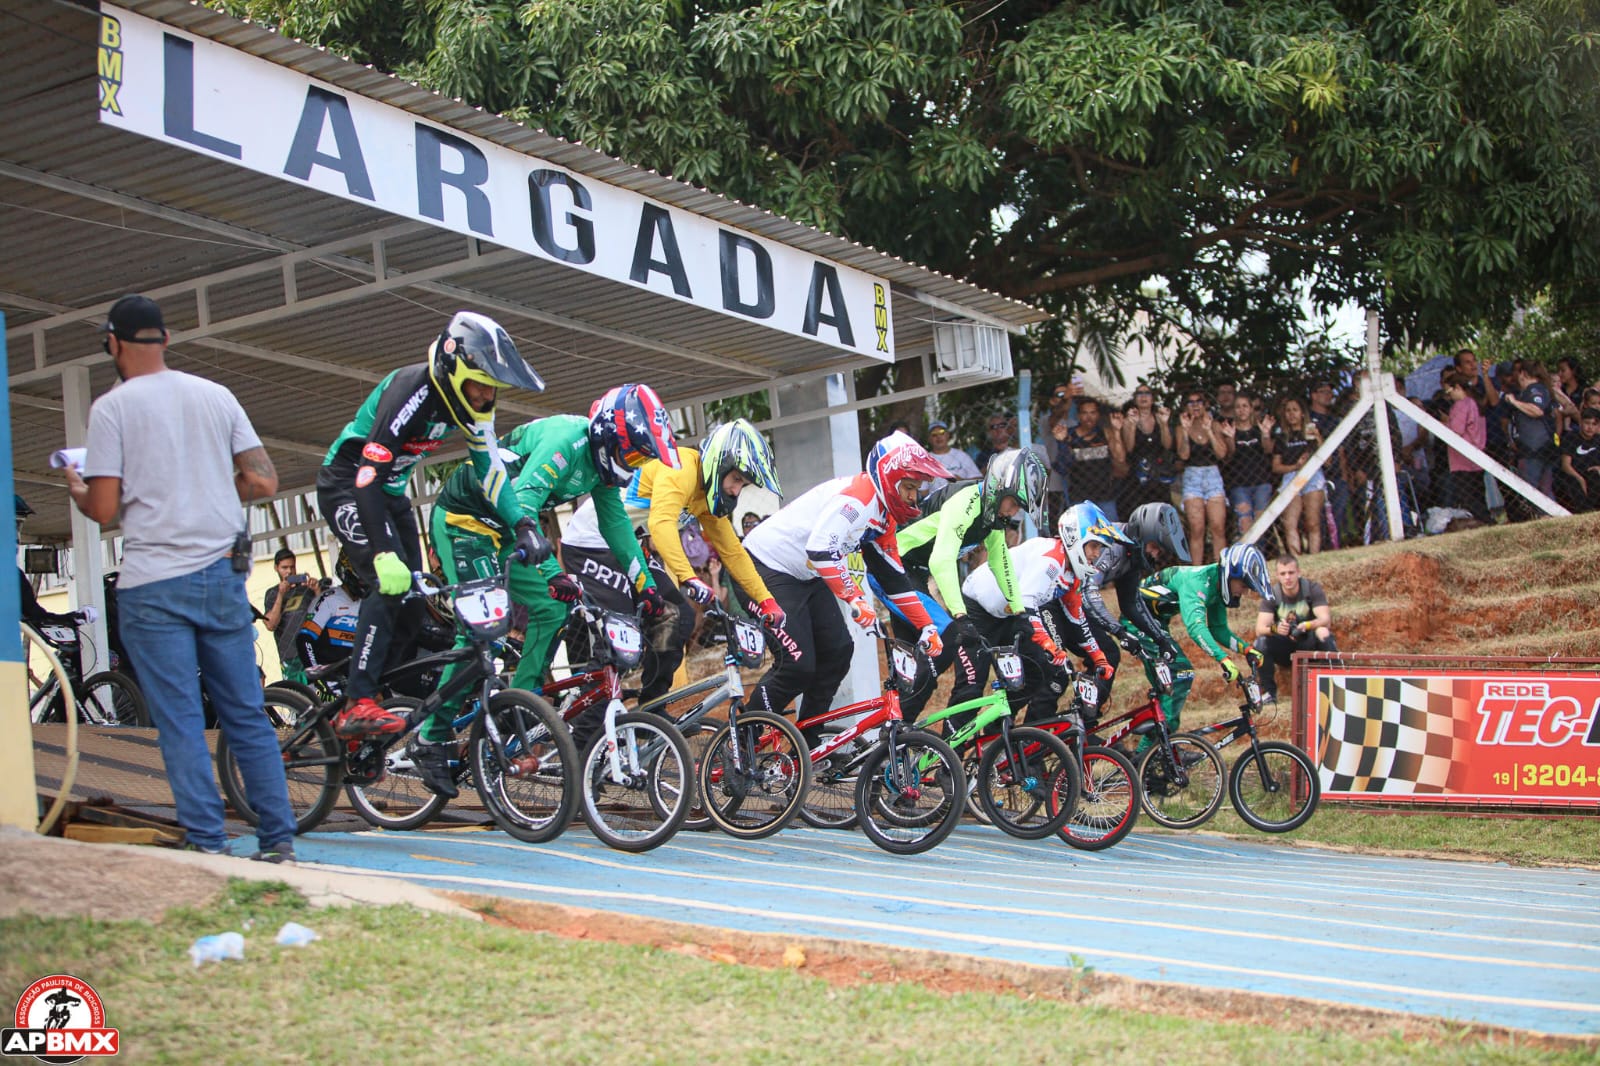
647, 806
398, 800
698, 736
532, 791
313, 761
764, 792
1183, 790
1274, 787
113, 698
1034, 795
1109, 805
910, 798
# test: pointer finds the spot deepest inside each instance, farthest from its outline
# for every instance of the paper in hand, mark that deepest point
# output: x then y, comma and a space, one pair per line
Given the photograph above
69, 458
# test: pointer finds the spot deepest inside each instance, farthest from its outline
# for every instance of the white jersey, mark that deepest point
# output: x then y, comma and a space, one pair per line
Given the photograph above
583, 530
1042, 575
825, 524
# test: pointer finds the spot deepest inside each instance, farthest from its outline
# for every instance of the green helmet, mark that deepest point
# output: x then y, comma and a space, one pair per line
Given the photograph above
737, 446
1014, 473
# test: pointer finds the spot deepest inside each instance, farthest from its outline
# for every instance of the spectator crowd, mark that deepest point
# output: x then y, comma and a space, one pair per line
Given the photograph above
1221, 454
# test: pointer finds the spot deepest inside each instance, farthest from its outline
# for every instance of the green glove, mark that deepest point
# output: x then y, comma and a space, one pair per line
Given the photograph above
394, 576
1230, 670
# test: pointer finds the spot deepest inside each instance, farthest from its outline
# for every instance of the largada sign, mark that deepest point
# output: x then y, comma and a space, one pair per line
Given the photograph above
208, 98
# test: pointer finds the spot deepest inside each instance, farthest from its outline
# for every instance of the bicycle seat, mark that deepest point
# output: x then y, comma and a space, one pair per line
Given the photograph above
1144, 729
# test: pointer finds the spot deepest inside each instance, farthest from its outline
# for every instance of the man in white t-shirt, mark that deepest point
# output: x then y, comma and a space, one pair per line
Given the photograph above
958, 462
162, 451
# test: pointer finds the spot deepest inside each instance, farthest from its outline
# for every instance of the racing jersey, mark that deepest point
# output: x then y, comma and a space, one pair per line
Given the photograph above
1194, 593
1119, 568
400, 423
811, 537
952, 525
548, 462
329, 629
1042, 576
668, 493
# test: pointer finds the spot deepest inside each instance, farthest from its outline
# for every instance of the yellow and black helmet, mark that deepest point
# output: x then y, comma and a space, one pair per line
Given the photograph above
475, 347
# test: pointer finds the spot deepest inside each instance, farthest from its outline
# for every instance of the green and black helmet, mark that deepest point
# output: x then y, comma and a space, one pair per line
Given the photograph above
736, 445
1014, 473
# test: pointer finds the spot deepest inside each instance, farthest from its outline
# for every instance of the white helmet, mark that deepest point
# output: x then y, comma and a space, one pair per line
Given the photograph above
1079, 525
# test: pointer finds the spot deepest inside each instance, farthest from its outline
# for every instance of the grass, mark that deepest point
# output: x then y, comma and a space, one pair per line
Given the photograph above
393, 984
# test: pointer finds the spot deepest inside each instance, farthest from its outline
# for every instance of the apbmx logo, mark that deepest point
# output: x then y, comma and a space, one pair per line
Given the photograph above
59, 1019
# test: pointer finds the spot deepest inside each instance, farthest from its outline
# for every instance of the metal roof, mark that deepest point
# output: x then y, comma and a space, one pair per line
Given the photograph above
299, 301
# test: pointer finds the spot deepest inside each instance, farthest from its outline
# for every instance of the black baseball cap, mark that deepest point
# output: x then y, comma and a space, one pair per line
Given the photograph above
132, 315
1589, 413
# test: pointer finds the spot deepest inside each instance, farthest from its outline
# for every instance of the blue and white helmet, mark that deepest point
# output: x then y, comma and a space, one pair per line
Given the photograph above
1243, 561
1079, 525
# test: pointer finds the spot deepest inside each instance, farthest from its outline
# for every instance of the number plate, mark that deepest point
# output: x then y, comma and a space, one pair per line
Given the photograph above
1009, 665
624, 636
1252, 691
752, 642
905, 664
1088, 691
483, 606
59, 634
1164, 674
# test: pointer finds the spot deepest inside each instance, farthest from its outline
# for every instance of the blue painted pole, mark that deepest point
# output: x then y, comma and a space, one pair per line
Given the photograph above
1025, 431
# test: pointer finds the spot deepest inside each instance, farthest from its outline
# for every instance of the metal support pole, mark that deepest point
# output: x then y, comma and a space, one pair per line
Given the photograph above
1479, 456
19, 804
1375, 385
1320, 456
88, 577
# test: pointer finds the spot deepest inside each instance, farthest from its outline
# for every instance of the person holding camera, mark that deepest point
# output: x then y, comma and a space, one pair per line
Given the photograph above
183, 611
1295, 616
284, 608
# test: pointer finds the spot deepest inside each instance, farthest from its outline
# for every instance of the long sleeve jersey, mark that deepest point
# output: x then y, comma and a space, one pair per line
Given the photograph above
401, 422
1194, 593
950, 528
1120, 569
1042, 576
549, 462
811, 537
669, 493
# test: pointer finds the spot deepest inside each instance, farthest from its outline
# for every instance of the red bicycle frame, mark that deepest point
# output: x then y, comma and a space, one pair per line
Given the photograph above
884, 708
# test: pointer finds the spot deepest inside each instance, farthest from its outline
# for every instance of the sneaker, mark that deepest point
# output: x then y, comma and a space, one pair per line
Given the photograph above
190, 845
432, 763
367, 717
275, 853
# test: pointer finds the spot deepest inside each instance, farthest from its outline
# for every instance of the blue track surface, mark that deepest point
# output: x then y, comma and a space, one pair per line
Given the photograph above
1466, 941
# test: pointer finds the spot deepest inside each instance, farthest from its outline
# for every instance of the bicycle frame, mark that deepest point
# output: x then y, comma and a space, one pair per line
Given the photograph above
593, 687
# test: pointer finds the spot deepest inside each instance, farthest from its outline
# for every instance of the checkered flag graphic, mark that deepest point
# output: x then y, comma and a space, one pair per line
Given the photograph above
1392, 735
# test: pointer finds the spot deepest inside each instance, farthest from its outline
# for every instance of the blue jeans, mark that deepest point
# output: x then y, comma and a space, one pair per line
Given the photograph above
177, 631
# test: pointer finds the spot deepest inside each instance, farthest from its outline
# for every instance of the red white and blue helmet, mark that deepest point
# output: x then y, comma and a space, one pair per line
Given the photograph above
1245, 562
628, 427
894, 459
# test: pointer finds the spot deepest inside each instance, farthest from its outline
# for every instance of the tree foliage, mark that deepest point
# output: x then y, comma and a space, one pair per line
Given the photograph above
1192, 166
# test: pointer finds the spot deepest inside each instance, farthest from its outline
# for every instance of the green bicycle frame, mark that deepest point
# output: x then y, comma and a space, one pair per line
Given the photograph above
991, 708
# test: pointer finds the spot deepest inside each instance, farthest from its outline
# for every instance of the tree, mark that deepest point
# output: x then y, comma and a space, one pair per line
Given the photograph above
1123, 165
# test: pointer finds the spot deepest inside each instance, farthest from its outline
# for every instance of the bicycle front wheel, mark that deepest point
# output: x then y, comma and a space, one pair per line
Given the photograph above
1030, 788
644, 804
1274, 787
756, 790
910, 798
524, 760
398, 800
1183, 786
1109, 804
313, 761
113, 698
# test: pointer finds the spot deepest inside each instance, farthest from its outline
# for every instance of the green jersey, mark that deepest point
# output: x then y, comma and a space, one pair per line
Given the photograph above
1194, 593
549, 462
948, 530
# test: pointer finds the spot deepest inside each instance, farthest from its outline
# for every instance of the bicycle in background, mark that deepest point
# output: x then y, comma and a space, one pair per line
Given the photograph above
108, 697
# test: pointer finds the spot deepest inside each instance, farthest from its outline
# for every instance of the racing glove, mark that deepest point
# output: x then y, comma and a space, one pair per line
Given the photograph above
1254, 657
1129, 643
1041, 637
771, 614
1102, 666
532, 548
698, 591
1230, 670
928, 640
961, 630
651, 601
862, 614
565, 588
394, 576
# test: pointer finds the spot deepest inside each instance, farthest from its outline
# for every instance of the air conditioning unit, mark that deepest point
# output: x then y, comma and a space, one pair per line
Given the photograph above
970, 352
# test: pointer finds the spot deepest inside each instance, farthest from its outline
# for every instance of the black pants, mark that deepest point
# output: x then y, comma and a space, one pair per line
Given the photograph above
605, 579
1065, 634
1048, 682
386, 628
811, 655
1278, 650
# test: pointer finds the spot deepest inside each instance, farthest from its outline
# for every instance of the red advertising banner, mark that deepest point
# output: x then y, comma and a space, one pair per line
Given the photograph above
1454, 735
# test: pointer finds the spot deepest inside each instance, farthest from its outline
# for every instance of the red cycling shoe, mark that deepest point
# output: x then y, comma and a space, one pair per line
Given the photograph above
367, 717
